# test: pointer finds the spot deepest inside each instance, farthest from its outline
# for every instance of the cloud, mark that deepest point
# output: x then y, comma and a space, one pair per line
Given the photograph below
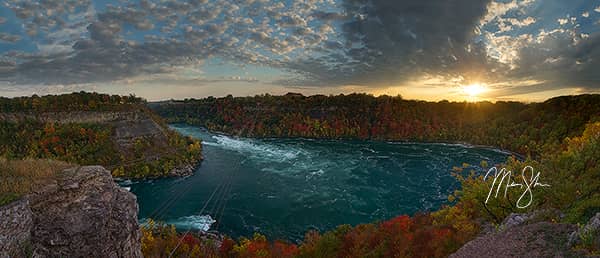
497, 9
563, 21
557, 51
79, 45
507, 24
387, 42
565, 56
328, 16
10, 38
522, 23
370, 43
178, 77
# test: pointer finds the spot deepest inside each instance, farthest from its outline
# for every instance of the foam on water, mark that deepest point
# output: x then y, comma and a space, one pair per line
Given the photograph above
283, 187
255, 148
197, 222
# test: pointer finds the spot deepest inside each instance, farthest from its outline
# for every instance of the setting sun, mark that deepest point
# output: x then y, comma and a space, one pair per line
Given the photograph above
474, 90
172, 109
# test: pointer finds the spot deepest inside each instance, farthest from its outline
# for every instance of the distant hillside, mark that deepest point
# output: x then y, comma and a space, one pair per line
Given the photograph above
560, 134
118, 132
519, 127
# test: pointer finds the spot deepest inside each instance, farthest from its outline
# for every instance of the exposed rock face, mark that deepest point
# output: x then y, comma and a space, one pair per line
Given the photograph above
591, 229
74, 116
128, 127
593, 225
182, 171
513, 220
15, 225
83, 213
542, 239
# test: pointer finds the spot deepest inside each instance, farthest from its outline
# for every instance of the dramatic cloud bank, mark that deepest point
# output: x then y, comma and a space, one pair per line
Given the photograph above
515, 47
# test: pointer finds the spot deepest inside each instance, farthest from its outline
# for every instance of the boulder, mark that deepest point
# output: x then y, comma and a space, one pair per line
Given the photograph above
590, 230
542, 239
79, 213
513, 220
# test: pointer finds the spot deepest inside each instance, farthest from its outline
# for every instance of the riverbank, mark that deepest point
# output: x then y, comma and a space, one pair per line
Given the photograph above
528, 129
458, 143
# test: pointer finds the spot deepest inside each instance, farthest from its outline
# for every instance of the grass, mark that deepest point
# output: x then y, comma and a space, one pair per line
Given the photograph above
20, 177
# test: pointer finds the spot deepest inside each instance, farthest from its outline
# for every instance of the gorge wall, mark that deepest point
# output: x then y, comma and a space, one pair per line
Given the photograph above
128, 125
80, 213
138, 141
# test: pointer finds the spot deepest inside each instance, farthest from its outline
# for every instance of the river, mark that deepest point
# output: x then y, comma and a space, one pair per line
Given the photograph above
284, 187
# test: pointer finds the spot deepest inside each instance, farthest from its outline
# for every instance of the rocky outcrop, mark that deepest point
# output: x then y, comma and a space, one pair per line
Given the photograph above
182, 171
542, 239
82, 213
15, 228
518, 219
590, 232
513, 220
73, 116
531, 235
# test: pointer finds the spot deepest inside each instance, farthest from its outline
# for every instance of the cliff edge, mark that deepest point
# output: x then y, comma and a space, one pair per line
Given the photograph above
524, 235
79, 213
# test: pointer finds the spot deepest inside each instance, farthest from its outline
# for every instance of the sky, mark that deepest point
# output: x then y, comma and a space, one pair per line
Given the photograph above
471, 50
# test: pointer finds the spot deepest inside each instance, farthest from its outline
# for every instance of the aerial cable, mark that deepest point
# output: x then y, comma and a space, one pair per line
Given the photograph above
190, 227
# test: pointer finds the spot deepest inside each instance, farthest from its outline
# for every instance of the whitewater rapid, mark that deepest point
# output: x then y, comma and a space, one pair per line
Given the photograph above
284, 187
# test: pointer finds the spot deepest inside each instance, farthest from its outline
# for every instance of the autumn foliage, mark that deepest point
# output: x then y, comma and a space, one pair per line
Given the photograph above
91, 143
77, 101
529, 129
403, 236
560, 138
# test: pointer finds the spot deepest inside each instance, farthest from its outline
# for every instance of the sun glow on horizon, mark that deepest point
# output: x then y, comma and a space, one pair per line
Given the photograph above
474, 90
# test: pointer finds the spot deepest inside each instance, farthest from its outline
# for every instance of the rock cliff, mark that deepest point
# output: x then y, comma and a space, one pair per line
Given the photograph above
80, 213
128, 128
527, 235
15, 228
542, 239
128, 125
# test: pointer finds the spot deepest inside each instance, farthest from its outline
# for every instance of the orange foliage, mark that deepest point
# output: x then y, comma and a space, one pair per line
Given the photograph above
419, 236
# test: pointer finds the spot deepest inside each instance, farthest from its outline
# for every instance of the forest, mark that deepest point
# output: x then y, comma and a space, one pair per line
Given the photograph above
527, 129
76, 101
572, 170
92, 143
560, 137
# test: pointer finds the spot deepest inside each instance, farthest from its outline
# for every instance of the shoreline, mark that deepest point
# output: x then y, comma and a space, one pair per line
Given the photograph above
519, 156
181, 171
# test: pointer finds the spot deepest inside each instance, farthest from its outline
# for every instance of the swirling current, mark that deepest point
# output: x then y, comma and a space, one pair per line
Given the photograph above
284, 187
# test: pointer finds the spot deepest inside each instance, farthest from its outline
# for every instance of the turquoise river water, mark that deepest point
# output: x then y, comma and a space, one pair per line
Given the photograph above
284, 187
